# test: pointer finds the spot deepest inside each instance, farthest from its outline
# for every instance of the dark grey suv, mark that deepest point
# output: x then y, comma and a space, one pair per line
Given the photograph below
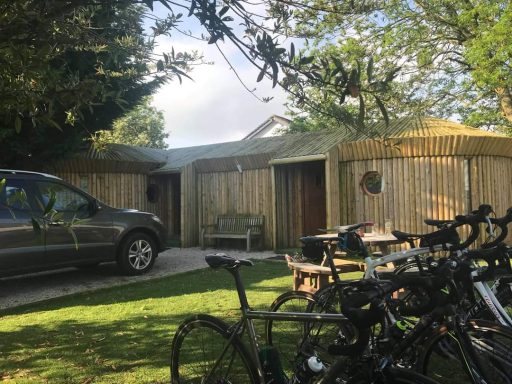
46, 223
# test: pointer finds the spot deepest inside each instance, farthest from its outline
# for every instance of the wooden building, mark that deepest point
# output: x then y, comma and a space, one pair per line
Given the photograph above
422, 168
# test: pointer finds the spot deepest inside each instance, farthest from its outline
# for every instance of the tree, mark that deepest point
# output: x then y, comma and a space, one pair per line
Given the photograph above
143, 126
454, 55
69, 68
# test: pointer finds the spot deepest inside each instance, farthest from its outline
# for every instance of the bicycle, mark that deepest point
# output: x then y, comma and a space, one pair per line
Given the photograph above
326, 299
495, 302
207, 350
474, 328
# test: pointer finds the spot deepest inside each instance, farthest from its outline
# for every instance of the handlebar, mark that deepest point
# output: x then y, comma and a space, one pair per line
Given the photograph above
481, 215
502, 223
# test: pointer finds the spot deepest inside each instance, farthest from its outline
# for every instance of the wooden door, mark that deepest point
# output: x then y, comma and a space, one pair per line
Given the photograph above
314, 197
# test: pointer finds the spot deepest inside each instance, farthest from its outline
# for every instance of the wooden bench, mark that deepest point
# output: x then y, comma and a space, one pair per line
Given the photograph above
234, 227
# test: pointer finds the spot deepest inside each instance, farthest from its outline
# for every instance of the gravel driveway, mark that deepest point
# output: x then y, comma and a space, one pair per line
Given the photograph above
25, 289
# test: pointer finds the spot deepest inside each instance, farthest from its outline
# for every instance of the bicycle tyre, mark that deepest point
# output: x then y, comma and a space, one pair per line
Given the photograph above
440, 355
288, 336
410, 266
308, 337
409, 296
327, 300
198, 344
393, 375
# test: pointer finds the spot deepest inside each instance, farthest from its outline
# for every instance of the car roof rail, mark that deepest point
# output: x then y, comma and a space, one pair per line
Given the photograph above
19, 172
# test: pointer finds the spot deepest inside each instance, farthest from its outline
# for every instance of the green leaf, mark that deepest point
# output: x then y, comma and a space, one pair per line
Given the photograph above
57, 216
160, 66
73, 234
382, 108
17, 124
369, 69
223, 11
362, 110
149, 3
305, 60
343, 97
36, 226
51, 202
262, 73
2, 184
192, 8
392, 74
341, 68
179, 72
166, 5
275, 72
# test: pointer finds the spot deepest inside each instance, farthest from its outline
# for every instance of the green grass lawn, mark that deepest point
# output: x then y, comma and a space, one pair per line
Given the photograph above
122, 334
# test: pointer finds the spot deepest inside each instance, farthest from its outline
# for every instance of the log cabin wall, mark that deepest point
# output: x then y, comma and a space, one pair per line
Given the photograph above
233, 192
119, 190
126, 190
189, 203
332, 190
491, 182
416, 188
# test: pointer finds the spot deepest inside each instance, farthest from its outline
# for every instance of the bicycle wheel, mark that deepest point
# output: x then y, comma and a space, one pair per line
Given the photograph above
442, 359
392, 375
288, 336
410, 266
327, 300
204, 352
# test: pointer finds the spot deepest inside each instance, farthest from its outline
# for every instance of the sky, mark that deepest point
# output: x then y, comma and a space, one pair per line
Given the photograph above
214, 107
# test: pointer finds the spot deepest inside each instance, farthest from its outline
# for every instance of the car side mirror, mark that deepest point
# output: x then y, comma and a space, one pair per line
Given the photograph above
96, 206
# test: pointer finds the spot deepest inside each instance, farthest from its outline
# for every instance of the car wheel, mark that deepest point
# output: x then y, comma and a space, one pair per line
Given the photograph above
137, 254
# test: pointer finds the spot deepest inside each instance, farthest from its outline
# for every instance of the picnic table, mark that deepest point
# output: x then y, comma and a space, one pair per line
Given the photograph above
311, 277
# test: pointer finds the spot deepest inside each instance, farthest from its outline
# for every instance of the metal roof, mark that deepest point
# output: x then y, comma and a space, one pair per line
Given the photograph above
286, 146
422, 127
179, 157
123, 152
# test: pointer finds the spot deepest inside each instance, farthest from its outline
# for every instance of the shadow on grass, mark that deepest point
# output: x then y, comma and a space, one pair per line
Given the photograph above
87, 349
123, 331
187, 283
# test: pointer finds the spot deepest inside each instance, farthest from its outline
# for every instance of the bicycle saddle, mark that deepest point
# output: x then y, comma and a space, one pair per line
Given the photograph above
221, 260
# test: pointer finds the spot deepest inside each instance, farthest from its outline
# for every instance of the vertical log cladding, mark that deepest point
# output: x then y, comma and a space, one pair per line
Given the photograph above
431, 187
124, 190
249, 192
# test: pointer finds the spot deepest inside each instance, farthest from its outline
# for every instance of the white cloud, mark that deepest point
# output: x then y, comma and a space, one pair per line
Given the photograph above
215, 107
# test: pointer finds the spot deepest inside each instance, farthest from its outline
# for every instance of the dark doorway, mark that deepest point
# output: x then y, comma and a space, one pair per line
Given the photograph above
176, 204
314, 202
